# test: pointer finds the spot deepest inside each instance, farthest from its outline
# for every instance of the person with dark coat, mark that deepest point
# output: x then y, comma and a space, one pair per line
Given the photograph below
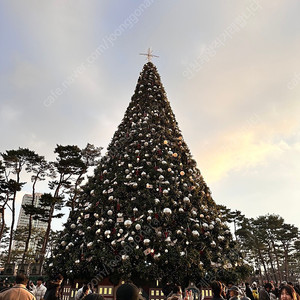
217, 290
53, 288
248, 291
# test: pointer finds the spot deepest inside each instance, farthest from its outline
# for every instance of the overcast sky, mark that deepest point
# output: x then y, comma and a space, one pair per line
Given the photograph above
231, 71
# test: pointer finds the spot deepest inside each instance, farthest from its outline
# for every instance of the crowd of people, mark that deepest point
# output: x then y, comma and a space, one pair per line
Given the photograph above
285, 291
23, 289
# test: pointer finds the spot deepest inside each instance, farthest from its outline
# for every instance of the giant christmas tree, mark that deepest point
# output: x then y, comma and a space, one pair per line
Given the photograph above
146, 213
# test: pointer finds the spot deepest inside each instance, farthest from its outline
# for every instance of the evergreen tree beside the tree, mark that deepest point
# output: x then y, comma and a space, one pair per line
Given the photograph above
147, 213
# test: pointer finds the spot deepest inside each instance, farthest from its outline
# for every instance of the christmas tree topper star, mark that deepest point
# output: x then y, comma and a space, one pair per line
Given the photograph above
149, 54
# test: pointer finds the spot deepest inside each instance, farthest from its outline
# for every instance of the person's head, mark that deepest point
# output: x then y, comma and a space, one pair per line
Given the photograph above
85, 289
39, 281
59, 278
127, 291
216, 287
21, 278
234, 291
268, 286
94, 297
287, 292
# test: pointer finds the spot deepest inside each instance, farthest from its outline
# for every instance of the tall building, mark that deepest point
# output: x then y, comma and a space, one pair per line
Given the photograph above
23, 221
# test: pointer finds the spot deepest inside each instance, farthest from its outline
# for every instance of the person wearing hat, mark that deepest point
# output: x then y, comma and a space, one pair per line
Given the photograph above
39, 290
234, 293
255, 290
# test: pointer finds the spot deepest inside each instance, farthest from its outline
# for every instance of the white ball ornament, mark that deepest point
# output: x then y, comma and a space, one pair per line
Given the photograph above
110, 212
181, 210
121, 230
107, 232
211, 226
77, 261
213, 244
146, 242
157, 256
130, 239
182, 173
73, 226
186, 199
127, 223
90, 244
149, 218
125, 257
165, 192
98, 231
195, 233
156, 201
138, 227
167, 211
201, 216
96, 215
150, 211
63, 243
135, 210
205, 225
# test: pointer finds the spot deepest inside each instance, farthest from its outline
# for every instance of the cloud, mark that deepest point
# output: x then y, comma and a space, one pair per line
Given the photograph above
8, 114
247, 148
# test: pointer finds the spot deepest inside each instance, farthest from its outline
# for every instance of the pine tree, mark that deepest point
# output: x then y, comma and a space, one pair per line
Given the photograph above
147, 213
